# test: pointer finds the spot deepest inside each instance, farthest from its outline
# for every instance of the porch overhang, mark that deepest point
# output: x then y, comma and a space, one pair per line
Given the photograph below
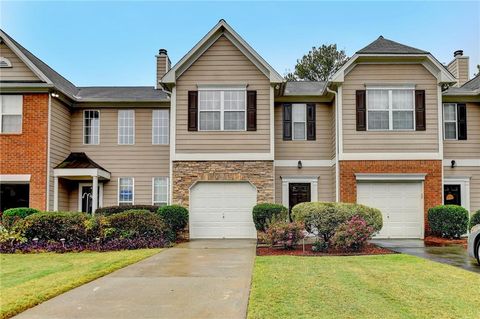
81, 173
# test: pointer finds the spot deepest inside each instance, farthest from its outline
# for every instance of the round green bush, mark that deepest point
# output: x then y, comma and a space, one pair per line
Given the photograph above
12, 215
175, 216
475, 219
448, 221
323, 218
138, 224
110, 210
266, 212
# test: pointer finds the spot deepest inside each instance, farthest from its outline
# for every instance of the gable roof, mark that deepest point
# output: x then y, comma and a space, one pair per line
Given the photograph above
221, 28
79, 160
471, 87
386, 46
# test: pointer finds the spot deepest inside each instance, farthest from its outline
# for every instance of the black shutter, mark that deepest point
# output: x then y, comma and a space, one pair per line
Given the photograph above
311, 132
287, 122
251, 110
192, 110
462, 121
420, 124
361, 106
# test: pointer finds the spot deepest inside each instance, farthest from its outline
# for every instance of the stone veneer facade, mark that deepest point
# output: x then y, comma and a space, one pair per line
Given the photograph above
433, 185
187, 173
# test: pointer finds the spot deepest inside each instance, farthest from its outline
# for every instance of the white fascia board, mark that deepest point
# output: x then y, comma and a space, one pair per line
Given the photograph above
305, 163
223, 157
389, 177
389, 156
14, 178
66, 172
339, 76
462, 162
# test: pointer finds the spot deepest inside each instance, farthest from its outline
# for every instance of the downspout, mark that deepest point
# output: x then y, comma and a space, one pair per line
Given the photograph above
337, 168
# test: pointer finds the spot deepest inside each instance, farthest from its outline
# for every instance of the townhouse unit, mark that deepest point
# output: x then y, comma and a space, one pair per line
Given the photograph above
221, 130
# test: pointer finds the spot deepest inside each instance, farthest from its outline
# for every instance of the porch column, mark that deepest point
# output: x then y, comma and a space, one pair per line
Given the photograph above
94, 194
55, 193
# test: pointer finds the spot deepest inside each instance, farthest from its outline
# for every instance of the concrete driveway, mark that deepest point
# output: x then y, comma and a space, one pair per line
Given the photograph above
199, 279
454, 255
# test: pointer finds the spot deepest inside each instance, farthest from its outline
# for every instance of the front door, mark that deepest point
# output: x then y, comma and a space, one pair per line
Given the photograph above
452, 195
298, 193
86, 198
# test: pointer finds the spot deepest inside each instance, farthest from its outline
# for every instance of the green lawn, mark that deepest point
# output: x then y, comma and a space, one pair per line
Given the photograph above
29, 279
383, 286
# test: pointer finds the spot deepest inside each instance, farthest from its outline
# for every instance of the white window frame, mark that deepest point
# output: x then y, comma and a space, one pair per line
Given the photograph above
390, 107
16, 114
7, 62
154, 126
293, 122
222, 108
118, 127
153, 190
99, 122
450, 121
133, 191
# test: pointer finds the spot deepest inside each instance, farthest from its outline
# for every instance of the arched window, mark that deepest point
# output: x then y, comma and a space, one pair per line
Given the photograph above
5, 63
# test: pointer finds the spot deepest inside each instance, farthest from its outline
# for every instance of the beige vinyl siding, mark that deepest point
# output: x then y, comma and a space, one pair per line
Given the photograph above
19, 70
389, 141
223, 63
142, 161
326, 181
60, 122
320, 149
469, 148
474, 174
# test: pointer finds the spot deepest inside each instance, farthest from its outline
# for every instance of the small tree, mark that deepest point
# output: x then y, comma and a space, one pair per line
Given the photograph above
319, 64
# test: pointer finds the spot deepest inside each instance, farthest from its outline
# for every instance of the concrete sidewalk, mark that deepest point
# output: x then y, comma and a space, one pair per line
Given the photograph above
199, 279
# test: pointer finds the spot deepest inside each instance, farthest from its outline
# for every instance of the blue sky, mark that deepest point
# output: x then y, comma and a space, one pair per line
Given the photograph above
114, 43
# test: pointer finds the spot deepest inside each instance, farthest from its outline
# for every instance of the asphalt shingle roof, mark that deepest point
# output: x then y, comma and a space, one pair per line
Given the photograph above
304, 88
471, 87
386, 46
79, 160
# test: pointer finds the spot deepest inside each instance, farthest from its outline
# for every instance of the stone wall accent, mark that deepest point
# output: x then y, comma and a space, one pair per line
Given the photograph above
186, 173
433, 187
26, 153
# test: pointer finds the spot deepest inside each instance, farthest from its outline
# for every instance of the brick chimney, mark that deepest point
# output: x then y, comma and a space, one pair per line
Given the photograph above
459, 67
163, 64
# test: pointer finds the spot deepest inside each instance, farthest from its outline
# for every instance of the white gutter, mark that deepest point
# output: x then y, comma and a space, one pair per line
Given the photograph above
337, 168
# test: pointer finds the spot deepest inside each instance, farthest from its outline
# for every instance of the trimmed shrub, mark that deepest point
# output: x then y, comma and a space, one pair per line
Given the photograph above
175, 216
283, 233
475, 219
138, 224
110, 210
54, 226
12, 215
353, 234
323, 218
266, 212
448, 221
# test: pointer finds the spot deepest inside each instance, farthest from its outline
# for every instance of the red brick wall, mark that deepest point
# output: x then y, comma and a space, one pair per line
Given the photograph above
26, 153
433, 188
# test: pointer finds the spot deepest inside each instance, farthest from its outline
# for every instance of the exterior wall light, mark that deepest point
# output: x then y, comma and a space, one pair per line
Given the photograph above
299, 165
453, 163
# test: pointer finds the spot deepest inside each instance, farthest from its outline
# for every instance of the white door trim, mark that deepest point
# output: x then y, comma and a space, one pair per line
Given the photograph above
464, 182
286, 180
100, 194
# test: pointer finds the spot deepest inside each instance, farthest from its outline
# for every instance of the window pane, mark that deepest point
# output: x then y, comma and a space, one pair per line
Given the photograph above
451, 131
299, 131
403, 120
402, 100
234, 121
12, 104
299, 112
160, 190
125, 194
160, 127
126, 127
450, 112
378, 120
234, 100
11, 124
209, 100
209, 121
377, 99
91, 127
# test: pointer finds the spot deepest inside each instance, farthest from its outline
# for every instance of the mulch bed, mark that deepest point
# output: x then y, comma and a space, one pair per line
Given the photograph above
438, 241
369, 249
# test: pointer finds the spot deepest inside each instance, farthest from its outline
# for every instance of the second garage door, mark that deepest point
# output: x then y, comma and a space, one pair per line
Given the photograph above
401, 204
222, 210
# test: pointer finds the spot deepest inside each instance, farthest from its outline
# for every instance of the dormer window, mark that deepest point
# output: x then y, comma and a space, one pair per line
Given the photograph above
5, 63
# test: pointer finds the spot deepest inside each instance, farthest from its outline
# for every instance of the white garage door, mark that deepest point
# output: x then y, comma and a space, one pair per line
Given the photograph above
401, 205
222, 210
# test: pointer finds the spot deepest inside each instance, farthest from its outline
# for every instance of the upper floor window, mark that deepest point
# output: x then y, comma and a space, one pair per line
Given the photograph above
454, 121
222, 110
160, 191
126, 127
299, 119
5, 63
11, 107
160, 126
390, 109
125, 191
91, 127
